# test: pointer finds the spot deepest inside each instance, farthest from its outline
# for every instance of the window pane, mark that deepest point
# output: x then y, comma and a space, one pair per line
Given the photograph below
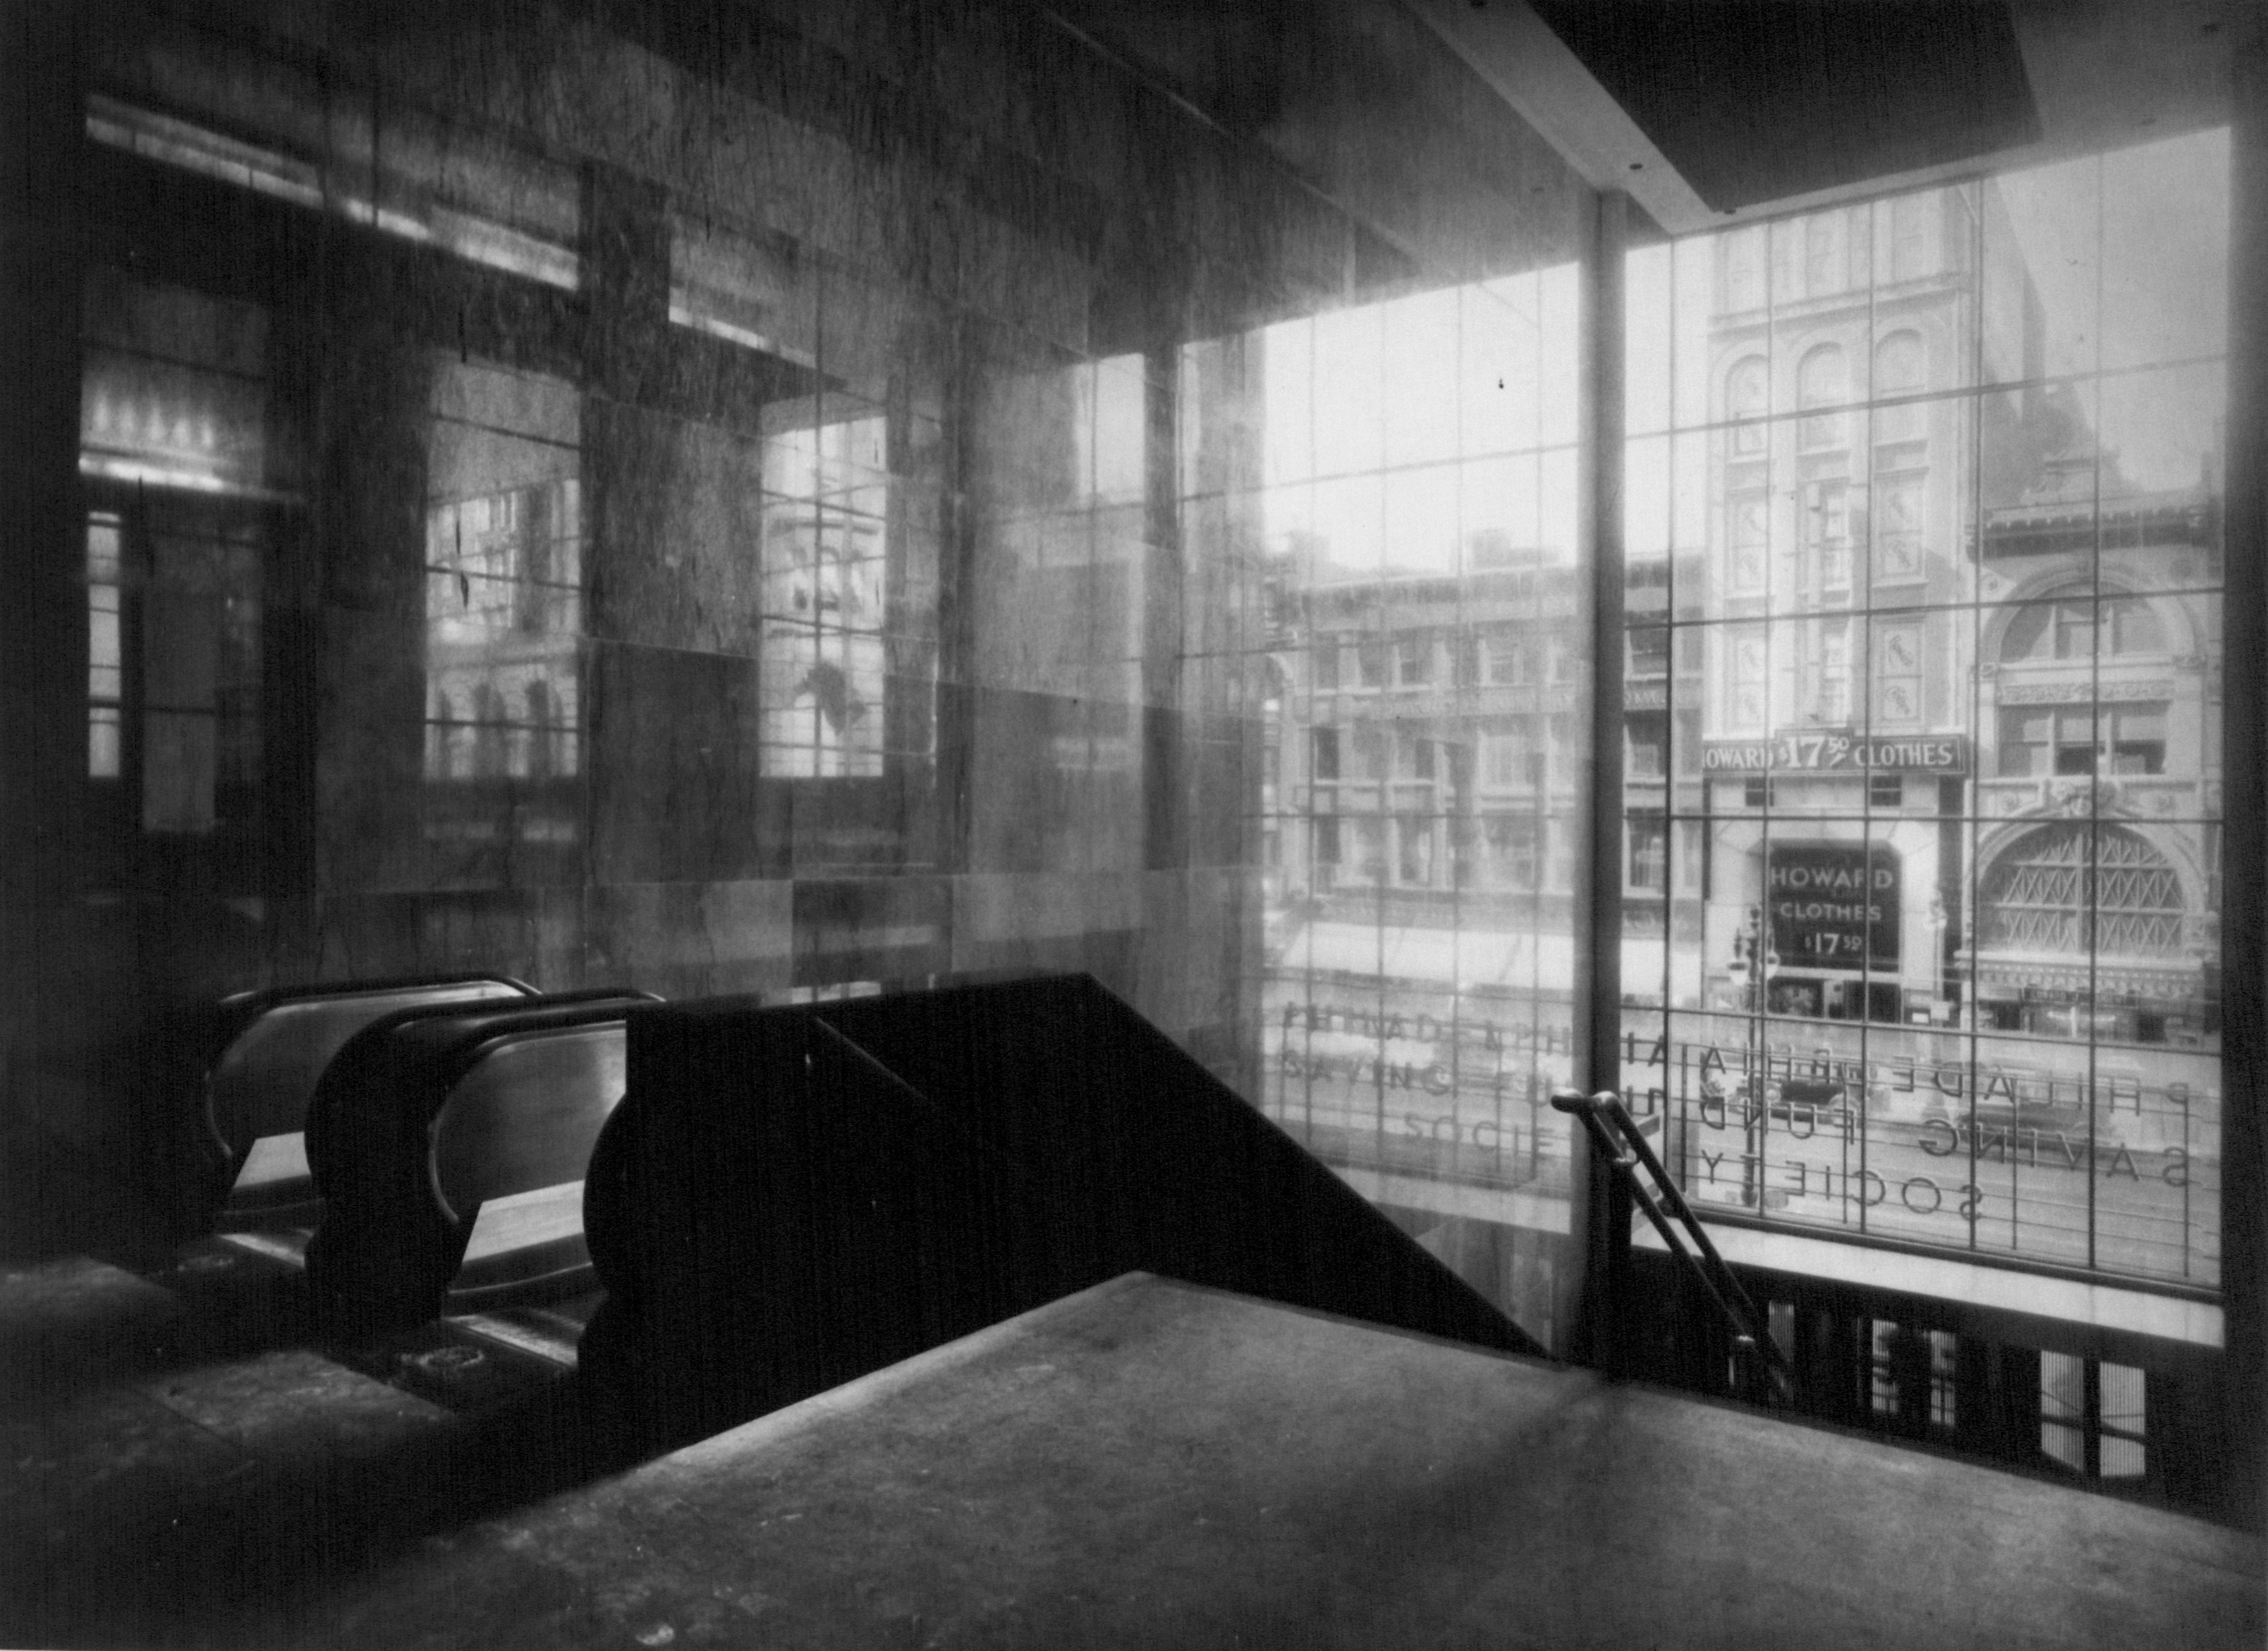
1950, 726
1416, 999
2165, 236
102, 751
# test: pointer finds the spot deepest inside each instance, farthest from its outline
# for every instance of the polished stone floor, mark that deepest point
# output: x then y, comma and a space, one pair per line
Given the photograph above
1144, 1464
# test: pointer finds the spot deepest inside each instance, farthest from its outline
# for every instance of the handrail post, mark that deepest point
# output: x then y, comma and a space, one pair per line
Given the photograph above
1601, 1337
1616, 1151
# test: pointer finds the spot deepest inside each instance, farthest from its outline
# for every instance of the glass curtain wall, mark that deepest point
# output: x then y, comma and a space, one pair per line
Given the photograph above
1923, 682
1426, 764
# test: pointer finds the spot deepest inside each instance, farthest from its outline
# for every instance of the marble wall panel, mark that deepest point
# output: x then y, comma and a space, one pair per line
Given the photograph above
872, 928
687, 940
675, 739
677, 514
536, 933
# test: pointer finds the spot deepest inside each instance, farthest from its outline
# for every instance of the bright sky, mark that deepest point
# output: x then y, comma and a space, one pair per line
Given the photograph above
1396, 431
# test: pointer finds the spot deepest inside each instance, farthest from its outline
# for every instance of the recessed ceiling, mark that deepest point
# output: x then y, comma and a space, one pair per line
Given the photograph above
1756, 100
1706, 108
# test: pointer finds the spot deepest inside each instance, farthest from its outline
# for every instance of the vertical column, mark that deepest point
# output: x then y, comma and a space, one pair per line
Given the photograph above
44, 1057
2244, 915
1601, 1295
1165, 735
956, 605
1603, 433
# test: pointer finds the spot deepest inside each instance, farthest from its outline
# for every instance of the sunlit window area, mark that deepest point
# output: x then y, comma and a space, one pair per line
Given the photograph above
1467, 777
1429, 580
1929, 492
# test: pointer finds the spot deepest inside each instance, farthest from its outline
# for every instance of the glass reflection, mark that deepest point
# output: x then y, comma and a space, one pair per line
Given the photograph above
1946, 768
503, 611
1429, 611
180, 473
825, 556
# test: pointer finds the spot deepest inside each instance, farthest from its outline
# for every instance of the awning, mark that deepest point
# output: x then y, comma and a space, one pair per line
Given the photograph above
2066, 978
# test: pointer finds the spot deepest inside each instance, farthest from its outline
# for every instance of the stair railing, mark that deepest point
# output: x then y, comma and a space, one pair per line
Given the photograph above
1622, 1147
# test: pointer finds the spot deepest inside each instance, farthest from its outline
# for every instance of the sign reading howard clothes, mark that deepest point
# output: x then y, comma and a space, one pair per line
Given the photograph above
1834, 905
1825, 751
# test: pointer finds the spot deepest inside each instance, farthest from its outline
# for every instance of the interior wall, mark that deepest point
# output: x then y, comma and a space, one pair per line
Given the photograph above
716, 498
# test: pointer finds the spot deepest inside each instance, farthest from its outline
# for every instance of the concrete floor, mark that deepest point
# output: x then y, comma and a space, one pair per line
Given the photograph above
1151, 1464
182, 1463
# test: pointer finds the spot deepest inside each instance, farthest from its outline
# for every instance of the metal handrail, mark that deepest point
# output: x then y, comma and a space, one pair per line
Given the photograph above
1615, 1134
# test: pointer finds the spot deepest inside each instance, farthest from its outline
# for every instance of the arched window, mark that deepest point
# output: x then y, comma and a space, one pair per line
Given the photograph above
1820, 381
2075, 624
1898, 373
2071, 889
1747, 399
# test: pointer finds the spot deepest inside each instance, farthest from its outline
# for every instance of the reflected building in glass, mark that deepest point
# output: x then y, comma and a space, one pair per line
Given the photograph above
1933, 539
2098, 684
1835, 727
